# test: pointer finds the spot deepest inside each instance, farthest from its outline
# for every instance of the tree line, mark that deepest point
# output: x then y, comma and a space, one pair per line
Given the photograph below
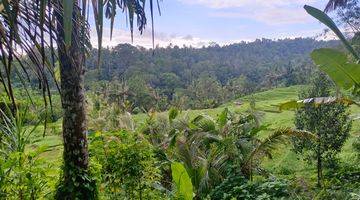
196, 78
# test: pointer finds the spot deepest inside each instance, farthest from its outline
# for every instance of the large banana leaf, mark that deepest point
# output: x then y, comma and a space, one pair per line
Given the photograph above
335, 64
325, 19
182, 181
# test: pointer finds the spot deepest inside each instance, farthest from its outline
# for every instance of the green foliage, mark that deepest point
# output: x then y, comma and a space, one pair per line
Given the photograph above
205, 92
231, 136
68, 21
24, 176
335, 64
156, 128
173, 113
240, 86
330, 122
128, 166
223, 117
76, 184
207, 146
143, 95
105, 116
342, 183
344, 73
236, 186
14, 133
325, 19
23, 173
184, 188
201, 78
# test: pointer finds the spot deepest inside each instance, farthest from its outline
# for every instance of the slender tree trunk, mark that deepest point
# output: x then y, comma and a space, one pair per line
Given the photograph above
76, 183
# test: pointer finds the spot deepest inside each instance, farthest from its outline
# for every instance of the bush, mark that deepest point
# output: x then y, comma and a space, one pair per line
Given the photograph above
23, 176
342, 184
236, 186
127, 165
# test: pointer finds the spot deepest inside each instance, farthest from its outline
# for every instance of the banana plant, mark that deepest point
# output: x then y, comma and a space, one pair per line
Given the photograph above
207, 146
344, 72
182, 181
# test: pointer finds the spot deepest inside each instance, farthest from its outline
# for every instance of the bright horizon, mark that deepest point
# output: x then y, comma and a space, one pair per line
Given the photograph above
198, 23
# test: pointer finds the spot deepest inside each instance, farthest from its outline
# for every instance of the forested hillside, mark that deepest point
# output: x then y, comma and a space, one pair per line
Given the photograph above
201, 77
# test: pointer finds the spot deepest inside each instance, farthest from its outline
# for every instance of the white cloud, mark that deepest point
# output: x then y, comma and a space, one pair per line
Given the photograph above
164, 40
145, 40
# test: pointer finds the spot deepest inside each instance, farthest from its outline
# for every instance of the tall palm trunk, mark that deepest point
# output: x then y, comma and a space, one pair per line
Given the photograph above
76, 182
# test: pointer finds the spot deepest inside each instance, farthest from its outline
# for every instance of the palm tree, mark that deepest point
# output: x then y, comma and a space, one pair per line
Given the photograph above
27, 28
198, 145
264, 148
207, 147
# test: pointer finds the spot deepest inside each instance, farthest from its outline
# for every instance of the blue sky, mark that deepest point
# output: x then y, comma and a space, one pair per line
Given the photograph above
199, 22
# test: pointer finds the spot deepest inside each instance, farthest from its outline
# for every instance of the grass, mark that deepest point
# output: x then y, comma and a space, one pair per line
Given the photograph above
284, 163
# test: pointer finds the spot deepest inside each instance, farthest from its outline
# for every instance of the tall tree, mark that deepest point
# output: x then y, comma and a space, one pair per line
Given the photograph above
27, 27
329, 121
76, 182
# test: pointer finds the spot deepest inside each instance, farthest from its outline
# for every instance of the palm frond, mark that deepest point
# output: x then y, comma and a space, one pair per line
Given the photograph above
334, 4
14, 136
133, 8
204, 123
266, 146
206, 166
29, 27
24, 25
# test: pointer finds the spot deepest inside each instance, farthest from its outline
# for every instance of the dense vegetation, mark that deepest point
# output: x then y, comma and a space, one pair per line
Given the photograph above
213, 146
199, 78
139, 131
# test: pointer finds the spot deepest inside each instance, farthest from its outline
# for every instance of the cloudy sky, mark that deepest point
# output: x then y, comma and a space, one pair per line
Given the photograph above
199, 22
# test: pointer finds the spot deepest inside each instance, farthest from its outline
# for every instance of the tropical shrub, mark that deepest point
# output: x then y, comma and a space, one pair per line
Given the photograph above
127, 164
236, 186
341, 185
24, 176
108, 116
207, 147
23, 173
